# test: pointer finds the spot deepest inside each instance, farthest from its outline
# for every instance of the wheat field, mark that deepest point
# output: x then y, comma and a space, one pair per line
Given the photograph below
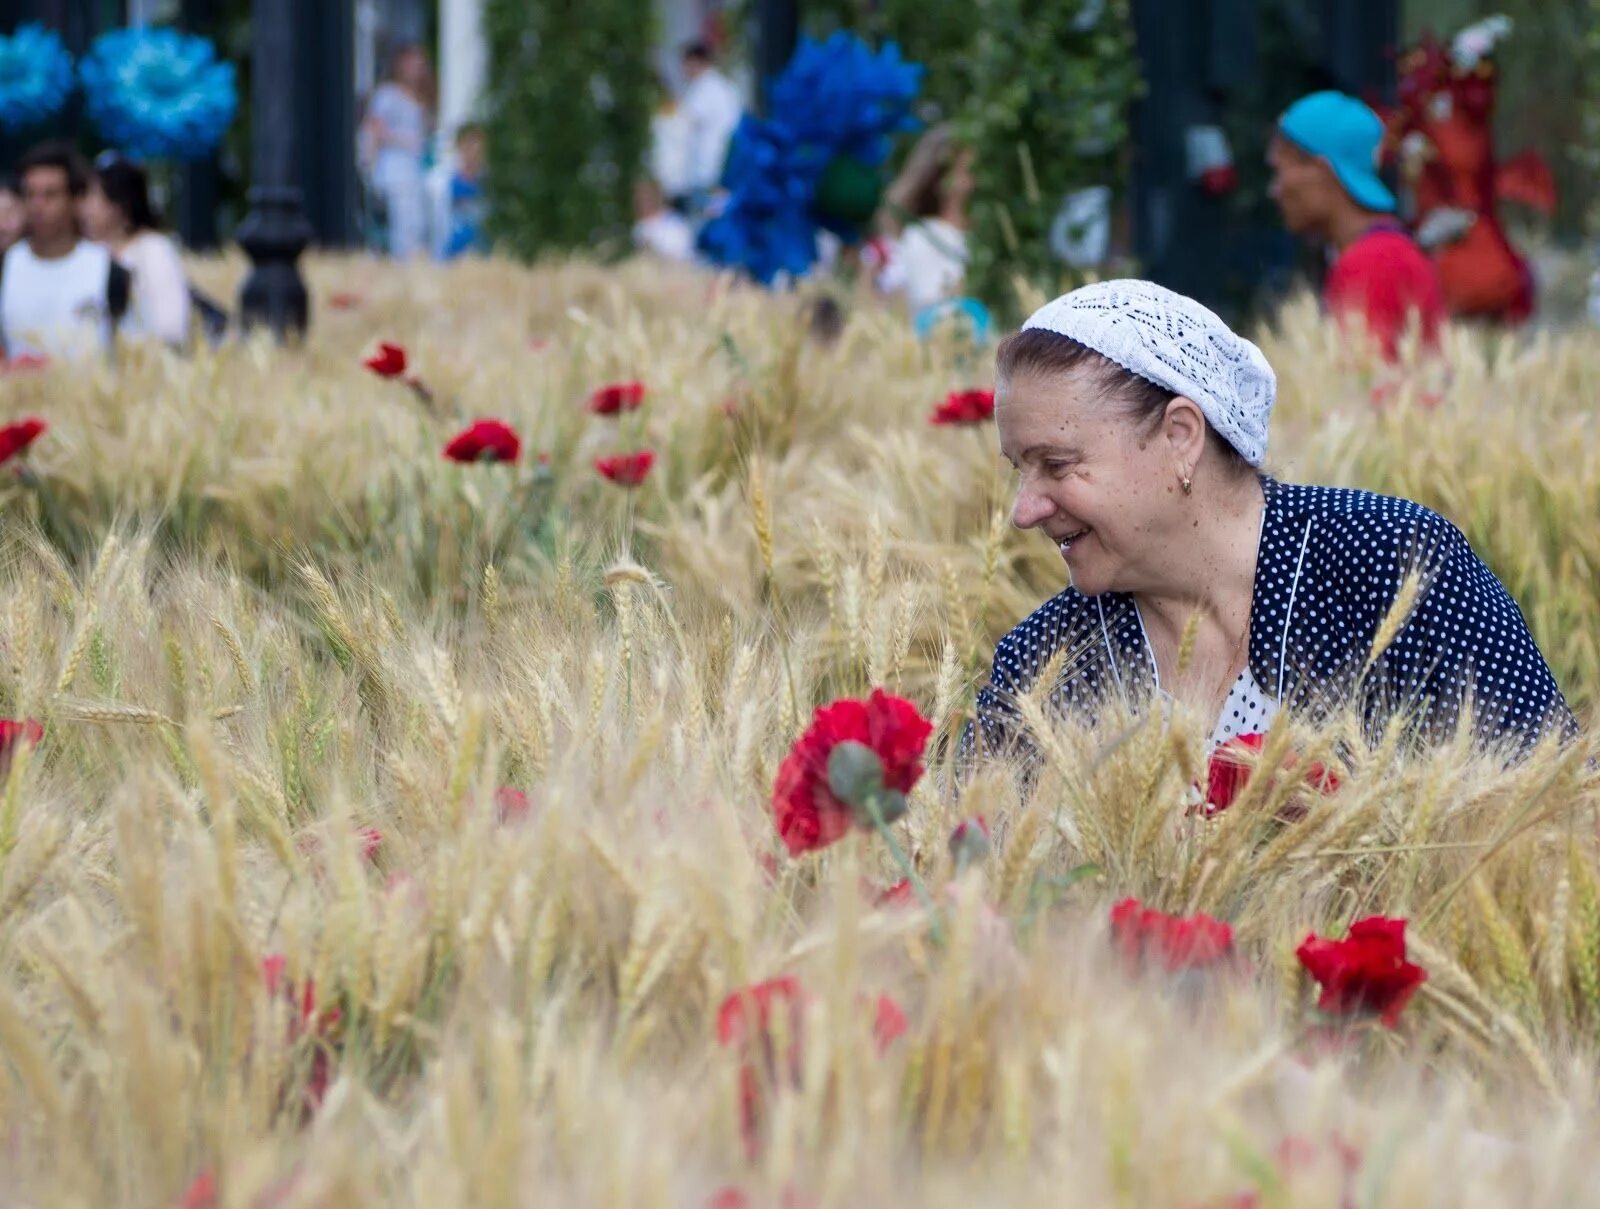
277, 929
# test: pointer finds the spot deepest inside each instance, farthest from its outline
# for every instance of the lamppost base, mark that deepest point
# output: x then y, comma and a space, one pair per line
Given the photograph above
274, 234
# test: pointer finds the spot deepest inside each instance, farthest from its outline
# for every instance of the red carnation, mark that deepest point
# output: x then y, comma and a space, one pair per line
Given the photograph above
484, 441
1145, 936
17, 436
1229, 768
15, 734
617, 397
201, 1193
970, 842
901, 894
854, 751
888, 1023
626, 469
1365, 972
510, 804
755, 1019
389, 362
964, 407
308, 1021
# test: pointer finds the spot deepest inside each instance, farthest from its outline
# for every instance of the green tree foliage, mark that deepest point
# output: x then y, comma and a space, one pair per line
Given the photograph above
939, 34
572, 88
1039, 88
1052, 83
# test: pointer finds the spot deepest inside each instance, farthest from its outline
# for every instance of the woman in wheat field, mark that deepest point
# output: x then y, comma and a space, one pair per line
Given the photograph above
1137, 422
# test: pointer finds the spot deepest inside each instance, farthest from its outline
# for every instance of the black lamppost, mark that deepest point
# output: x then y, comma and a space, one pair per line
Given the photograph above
275, 231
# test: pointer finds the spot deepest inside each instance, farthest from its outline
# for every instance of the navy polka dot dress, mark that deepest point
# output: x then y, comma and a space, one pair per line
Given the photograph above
1331, 562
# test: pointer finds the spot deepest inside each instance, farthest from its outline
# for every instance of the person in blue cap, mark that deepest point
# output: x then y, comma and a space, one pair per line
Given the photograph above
1324, 159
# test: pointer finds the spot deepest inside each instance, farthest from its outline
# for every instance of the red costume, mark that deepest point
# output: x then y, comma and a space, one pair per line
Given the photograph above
1440, 133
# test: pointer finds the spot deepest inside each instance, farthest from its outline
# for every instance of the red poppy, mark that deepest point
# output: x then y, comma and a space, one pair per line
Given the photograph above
510, 804
970, 841
390, 361
626, 469
964, 407
484, 441
808, 812
900, 894
749, 1019
201, 1193
18, 435
1365, 972
15, 734
1146, 936
309, 1020
1228, 771
617, 397
889, 1022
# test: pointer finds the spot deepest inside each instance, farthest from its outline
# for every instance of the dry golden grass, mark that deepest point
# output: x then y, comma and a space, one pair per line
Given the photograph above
262, 614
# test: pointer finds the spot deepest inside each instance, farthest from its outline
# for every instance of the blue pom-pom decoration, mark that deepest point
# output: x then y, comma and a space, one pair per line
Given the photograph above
35, 76
836, 100
158, 93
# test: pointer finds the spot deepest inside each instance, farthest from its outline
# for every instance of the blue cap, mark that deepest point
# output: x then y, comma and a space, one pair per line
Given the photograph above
1348, 135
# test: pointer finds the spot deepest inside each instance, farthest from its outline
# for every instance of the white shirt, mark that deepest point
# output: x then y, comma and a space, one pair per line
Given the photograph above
55, 308
670, 148
158, 305
927, 265
667, 234
713, 108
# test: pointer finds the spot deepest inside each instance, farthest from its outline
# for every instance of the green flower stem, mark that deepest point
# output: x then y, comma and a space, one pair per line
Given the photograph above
936, 930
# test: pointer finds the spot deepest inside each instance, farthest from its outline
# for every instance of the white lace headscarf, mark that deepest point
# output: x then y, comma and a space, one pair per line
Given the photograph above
1177, 344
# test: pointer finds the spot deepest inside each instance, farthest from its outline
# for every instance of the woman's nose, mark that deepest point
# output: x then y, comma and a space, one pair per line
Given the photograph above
1030, 509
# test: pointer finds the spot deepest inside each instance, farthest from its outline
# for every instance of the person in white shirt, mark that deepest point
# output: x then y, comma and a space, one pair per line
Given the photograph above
712, 107
394, 135
60, 295
669, 143
929, 261
117, 213
657, 230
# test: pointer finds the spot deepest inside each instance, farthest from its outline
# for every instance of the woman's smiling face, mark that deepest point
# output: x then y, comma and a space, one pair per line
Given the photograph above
1102, 484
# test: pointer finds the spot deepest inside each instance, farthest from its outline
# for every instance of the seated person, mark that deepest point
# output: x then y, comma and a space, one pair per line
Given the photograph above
657, 229
1137, 423
117, 214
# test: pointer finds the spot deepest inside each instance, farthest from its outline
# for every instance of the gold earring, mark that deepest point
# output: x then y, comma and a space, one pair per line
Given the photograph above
1188, 489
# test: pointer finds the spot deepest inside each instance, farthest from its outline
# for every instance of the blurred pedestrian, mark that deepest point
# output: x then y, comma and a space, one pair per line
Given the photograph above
928, 262
1324, 160
670, 145
395, 135
658, 229
117, 214
712, 107
13, 219
60, 294
464, 222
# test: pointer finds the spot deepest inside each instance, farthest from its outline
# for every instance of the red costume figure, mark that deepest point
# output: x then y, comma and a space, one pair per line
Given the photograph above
1441, 135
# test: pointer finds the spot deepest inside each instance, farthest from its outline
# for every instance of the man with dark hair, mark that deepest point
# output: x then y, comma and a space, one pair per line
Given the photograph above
60, 295
712, 107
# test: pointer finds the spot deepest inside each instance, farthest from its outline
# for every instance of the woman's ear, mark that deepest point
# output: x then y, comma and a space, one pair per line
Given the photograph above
1184, 426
